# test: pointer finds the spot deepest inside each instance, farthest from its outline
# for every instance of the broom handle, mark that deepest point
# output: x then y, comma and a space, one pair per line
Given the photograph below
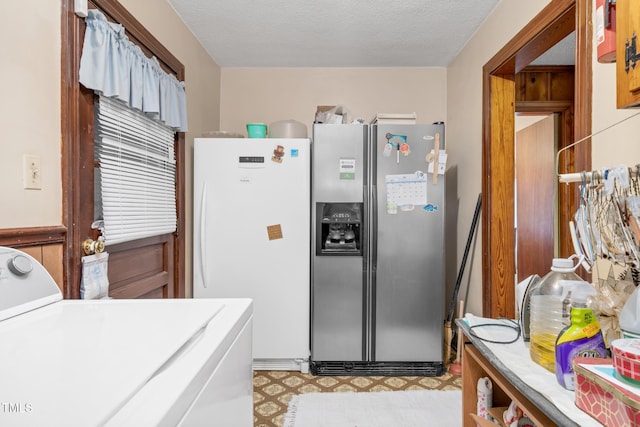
459, 346
464, 257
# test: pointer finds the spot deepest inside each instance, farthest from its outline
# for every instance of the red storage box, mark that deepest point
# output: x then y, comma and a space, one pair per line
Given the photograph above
626, 357
604, 400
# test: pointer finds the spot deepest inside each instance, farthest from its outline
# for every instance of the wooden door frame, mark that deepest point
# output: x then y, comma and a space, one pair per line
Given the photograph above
551, 25
77, 141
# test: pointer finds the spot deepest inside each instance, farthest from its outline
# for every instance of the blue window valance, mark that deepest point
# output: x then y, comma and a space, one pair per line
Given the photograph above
115, 67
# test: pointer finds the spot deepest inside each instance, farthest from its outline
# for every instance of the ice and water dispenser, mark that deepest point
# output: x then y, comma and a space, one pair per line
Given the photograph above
339, 228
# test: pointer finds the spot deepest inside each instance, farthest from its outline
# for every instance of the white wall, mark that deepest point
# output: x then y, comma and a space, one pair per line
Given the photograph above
271, 94
619, 145
202, 74
30, 111
464, 127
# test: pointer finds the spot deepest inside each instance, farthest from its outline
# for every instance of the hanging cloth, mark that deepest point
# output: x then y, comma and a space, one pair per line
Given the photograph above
115, 67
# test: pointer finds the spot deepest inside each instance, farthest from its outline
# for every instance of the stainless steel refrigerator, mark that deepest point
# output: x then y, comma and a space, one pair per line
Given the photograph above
378, 256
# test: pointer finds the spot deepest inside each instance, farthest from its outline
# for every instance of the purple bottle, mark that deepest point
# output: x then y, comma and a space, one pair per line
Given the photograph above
582, 338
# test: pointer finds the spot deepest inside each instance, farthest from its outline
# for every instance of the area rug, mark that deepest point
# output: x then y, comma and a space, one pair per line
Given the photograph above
414, 408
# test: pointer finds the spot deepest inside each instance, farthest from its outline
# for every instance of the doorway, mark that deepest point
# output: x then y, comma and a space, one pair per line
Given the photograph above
546, 87
550, 26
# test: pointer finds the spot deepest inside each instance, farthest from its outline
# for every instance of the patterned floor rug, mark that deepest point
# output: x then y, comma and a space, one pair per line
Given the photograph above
415, 408
273, 390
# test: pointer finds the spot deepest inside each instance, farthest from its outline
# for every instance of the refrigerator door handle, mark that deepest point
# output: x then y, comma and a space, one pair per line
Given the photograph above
373, 227
373, 254
203, 223
366, 274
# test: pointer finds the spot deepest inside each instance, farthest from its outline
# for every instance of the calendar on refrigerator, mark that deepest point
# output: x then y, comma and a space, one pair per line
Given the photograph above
406, 189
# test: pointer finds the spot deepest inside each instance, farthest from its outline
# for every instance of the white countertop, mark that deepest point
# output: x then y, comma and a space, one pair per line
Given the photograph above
515, 357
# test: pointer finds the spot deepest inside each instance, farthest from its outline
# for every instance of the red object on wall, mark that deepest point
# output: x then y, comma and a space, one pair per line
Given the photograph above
606, 30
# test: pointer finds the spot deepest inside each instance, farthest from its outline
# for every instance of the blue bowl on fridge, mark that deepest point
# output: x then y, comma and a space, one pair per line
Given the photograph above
256, 130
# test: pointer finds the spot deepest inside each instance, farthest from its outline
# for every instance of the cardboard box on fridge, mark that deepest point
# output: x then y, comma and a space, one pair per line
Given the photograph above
332, 114
604, 400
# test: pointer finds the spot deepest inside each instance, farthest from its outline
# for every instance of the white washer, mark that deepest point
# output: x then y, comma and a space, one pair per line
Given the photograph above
118, 363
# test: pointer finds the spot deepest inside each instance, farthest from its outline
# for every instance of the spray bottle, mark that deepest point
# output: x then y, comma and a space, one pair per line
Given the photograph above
582, 338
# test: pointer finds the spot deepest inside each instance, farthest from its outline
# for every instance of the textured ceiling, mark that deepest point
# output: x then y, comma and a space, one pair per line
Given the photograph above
333, 33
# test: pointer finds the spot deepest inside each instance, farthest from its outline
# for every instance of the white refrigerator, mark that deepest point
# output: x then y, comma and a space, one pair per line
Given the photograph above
252, 238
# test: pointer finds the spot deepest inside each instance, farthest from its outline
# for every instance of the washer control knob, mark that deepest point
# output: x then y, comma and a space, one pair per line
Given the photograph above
20, 265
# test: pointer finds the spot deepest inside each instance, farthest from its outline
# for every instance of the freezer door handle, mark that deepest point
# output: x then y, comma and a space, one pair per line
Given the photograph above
203, 224
373, 227
371, 261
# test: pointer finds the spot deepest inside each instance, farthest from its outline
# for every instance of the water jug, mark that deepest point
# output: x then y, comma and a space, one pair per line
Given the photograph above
549, 310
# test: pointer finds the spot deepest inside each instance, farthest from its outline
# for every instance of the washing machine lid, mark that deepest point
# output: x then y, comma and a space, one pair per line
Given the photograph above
24, 284
81, 361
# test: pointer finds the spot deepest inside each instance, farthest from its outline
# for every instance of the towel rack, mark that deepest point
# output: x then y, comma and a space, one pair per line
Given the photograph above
578, 176
597, 174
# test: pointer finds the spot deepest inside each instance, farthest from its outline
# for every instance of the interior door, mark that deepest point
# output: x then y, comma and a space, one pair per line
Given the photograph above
535, 197
145, 268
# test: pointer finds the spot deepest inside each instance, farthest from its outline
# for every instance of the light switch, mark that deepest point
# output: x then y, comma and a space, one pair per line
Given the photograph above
31, 176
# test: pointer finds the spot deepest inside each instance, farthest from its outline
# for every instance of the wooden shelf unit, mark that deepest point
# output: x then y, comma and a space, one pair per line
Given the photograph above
505, 365
476, 366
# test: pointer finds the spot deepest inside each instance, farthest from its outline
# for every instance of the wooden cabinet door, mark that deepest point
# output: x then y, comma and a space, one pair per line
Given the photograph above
628, 72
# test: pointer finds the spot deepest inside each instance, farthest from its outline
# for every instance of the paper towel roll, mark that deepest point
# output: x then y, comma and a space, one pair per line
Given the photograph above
485, 397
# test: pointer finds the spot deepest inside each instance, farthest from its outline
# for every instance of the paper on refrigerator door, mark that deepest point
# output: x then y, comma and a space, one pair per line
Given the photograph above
442, 162
348, 169
405, 191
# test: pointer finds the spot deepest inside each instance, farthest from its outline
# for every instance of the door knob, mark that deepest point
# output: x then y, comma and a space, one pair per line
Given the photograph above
90, 247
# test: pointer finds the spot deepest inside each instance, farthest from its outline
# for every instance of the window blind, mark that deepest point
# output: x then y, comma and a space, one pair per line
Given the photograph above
137, 174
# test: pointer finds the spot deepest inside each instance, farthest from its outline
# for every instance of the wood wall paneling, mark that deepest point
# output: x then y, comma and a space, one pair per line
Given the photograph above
52, 256
562, 83
541, 84
45, 244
